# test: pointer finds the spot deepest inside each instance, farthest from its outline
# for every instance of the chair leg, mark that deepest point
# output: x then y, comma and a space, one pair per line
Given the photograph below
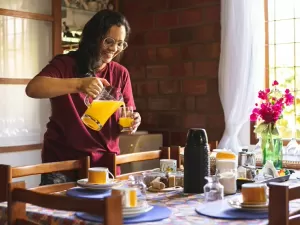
15, 210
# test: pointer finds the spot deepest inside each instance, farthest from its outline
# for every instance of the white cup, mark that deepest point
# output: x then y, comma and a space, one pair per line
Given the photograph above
168, 165
129, 196
99, 175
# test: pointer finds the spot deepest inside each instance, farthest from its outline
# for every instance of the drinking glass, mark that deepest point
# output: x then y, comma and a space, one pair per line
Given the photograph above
126, 118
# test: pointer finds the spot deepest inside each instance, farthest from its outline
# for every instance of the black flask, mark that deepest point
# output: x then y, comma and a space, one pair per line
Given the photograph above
196, 161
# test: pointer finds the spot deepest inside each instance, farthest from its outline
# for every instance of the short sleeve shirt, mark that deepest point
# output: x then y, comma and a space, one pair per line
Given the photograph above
67, 137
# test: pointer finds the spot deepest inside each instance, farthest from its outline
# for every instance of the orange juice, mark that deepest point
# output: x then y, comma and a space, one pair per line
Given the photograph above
98, 113
129, 196
126, 122
98, 175
254, 193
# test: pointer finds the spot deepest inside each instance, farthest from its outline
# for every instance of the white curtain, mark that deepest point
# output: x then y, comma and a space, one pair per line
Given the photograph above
242, 63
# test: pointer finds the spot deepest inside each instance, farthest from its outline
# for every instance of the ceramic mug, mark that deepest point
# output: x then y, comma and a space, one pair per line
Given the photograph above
129, 196
99, 175
168, 165
254, 193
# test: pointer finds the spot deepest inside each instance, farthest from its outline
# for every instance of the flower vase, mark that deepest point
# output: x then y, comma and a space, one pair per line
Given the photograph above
272, 146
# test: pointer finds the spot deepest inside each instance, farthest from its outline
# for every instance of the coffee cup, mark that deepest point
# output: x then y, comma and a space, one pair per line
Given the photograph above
99, 175
254, 193
129, 196
168, 165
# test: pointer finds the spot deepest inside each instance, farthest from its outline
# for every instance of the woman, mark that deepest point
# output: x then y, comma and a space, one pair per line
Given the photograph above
67, 79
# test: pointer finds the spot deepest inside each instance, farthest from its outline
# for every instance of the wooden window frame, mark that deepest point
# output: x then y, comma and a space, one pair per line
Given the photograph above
55, 18
253, 138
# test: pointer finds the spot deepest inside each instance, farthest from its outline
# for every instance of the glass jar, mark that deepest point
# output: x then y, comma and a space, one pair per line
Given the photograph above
137, 181
179, 182
213, 190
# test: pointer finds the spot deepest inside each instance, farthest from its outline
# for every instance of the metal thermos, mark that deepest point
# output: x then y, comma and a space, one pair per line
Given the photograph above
196, 161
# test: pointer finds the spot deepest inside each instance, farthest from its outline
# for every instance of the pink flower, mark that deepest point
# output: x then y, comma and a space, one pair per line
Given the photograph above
272, 104
275, 82
289, 99
262, 95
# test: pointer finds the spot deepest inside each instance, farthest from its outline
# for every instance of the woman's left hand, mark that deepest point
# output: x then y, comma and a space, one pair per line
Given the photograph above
136, 123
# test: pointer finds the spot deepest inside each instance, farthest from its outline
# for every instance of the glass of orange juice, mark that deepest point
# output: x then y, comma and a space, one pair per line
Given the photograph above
126, 118
102, 107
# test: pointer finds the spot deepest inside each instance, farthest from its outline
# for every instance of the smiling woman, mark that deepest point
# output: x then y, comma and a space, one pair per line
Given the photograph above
68, 79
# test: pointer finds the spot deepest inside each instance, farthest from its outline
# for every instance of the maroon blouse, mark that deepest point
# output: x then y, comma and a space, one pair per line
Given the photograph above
67, 138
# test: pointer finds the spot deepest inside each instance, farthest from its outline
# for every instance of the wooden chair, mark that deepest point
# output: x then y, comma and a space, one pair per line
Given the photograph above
109, 208
163, 153
279, 197
7, 173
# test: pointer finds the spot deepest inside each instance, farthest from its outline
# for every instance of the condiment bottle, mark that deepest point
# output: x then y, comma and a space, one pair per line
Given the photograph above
196, 161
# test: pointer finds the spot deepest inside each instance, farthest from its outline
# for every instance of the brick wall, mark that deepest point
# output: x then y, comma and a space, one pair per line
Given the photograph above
173, 58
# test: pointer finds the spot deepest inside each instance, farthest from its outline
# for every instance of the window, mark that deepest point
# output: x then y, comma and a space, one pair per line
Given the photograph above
283, 56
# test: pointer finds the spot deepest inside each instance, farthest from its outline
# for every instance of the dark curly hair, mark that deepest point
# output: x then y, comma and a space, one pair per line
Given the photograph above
88, 54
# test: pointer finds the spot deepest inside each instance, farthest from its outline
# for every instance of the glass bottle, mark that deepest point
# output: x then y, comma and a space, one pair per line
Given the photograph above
213, 190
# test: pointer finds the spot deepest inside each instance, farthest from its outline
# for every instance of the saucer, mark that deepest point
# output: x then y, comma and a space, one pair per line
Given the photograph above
137, 211
111, 183
237, 203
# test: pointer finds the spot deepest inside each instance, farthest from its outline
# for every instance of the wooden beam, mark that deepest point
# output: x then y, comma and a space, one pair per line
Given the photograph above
26, 15
14, 81
21, 148
56, 27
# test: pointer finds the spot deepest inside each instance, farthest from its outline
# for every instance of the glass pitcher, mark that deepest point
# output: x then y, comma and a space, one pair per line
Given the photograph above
102, 107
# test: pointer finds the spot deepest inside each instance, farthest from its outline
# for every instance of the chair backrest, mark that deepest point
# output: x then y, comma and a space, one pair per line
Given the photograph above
109, 208
7, 173
163, 153
279, 197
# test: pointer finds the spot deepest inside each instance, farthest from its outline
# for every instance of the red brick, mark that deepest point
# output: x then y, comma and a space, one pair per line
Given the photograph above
169, 54
194, 87
215, 121
158, 37
169, 120
157, 71
206, 68
134, 88
137, 72
213, 50
182, 69
207, 33
212, 13
214, 134
139, 22
165, 103
194, 51
178, 138
166, 19
209, 104
137, 6
194, 120
176, 4
141, 103
129, 56
190, 103
147, 88
181, 35
149, 120
145, 55
190, 16
137, 38
169, 87
213, 87
159, 103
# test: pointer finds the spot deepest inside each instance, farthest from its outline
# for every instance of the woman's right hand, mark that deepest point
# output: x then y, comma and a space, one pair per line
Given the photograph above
92, 85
